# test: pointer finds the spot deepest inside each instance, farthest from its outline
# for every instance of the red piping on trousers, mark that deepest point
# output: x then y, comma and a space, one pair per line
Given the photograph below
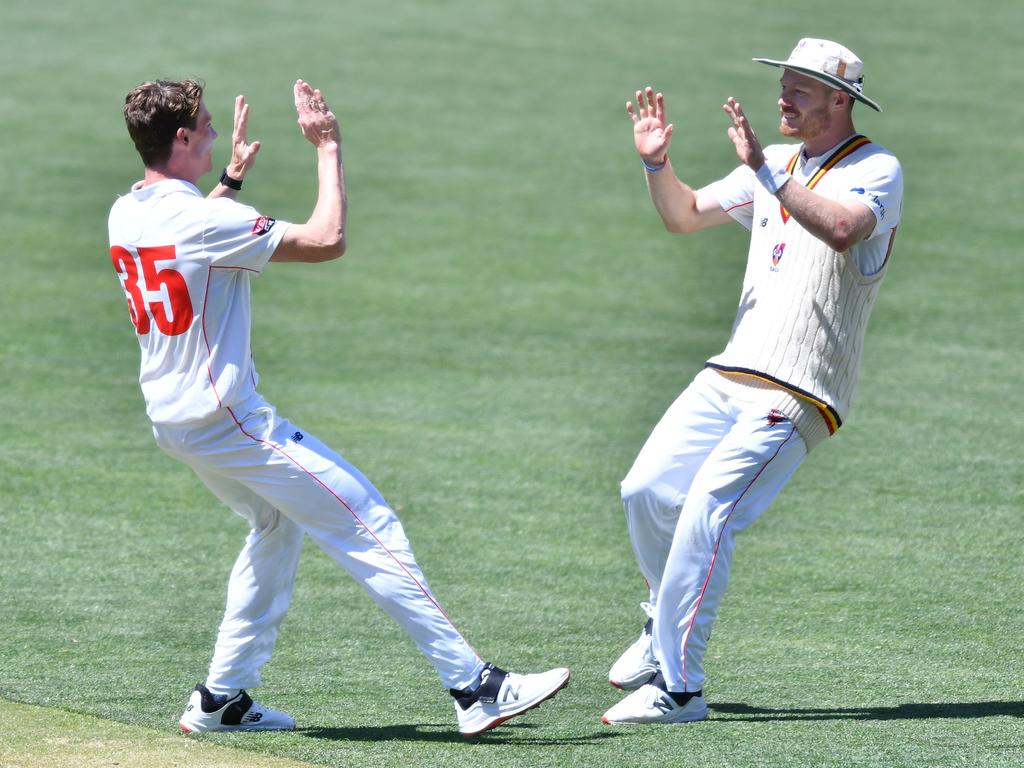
718, 542
341, 501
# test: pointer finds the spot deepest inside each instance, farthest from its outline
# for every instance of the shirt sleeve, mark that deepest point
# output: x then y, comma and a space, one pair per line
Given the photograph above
237, 235
735, 193
878, 184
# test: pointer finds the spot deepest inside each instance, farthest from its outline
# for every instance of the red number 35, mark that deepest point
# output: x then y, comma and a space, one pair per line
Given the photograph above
152, 278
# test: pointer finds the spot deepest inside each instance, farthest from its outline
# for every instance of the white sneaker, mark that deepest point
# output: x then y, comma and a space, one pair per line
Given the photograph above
503, 695
651, 704
637, 664
205, 712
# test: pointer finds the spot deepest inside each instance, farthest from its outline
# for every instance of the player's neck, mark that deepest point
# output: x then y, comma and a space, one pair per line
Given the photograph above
824, 141
156, 175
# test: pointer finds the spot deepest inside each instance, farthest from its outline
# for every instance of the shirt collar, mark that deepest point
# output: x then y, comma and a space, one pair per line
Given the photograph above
810, 165
164, 188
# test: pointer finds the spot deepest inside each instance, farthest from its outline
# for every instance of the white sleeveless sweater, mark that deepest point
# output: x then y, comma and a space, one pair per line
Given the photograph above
802, 317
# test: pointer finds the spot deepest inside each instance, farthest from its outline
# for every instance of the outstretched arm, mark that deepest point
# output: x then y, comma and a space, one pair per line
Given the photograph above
839, 225
243, 153
322, 237
681, 208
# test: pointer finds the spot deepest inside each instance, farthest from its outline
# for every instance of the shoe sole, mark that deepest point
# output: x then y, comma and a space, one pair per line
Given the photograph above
698, 719
498, 721
186, 729
631, 685
606, 721
621, 685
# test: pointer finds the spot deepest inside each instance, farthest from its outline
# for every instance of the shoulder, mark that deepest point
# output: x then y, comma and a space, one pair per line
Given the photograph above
875, 156
873, 166
780, 153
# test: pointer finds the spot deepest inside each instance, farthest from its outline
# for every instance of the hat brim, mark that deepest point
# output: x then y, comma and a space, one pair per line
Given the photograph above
830, 80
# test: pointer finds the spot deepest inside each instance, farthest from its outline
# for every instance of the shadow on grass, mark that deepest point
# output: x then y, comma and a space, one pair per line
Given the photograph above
518, 734
960, 710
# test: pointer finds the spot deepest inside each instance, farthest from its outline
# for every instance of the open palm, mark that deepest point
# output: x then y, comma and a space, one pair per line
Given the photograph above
650, 133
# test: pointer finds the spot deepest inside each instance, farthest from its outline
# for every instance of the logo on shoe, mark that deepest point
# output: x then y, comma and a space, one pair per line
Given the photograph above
252, 717
663, 703
511, 693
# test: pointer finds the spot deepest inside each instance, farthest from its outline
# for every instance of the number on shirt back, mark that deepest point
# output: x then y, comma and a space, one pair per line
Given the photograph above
142, 312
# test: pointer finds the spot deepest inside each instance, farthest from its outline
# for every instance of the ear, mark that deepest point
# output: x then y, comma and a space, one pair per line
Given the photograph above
182, 135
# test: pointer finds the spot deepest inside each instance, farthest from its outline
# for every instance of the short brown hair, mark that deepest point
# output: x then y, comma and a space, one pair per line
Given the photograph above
154, 111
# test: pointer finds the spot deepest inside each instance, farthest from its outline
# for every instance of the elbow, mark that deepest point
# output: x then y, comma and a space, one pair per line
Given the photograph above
679, 227
842, 241
338, 247
332, 248
844, 235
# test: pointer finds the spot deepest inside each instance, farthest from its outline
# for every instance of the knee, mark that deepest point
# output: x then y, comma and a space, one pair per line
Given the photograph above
645, 493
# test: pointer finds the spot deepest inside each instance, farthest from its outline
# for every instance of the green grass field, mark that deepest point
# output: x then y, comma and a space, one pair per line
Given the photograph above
509, 323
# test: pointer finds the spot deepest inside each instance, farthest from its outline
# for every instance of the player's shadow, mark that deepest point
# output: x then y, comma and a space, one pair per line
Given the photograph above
517, 733
952, 710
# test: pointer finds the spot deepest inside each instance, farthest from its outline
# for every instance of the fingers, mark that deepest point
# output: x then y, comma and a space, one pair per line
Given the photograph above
301, 91
648, 104
309, 99
735, 111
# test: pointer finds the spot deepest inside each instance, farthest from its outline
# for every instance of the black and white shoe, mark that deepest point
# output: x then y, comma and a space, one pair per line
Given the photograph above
652, 703
206, 712
502, 695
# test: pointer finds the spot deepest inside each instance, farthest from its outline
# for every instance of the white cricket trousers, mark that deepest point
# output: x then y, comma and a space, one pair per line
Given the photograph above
712, 465
285, 483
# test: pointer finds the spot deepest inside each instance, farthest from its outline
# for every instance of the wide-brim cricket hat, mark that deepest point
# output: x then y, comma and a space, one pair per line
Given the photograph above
830, 63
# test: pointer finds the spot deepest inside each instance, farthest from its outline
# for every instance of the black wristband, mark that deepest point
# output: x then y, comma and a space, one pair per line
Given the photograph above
229, 182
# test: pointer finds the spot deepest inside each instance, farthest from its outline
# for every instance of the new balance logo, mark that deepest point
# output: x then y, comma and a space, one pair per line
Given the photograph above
663, 703
252, 717
297, 437
511, 693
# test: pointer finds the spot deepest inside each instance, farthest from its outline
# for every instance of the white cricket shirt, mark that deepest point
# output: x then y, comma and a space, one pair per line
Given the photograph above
871, 176
184, 262
804, 307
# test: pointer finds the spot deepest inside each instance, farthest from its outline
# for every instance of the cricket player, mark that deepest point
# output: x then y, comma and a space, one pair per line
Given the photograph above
822, 216
185, 263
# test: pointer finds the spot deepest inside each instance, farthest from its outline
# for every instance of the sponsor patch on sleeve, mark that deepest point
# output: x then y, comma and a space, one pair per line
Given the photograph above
263, 225
874, 199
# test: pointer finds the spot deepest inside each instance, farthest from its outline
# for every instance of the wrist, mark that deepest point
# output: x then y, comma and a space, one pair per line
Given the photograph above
772, 179
653, 166
229, 180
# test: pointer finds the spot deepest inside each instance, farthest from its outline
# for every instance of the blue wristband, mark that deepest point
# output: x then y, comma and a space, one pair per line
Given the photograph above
655, 168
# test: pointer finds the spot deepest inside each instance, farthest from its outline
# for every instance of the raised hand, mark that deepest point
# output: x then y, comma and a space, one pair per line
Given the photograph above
317, 123
243, 153
650, 133
748, 148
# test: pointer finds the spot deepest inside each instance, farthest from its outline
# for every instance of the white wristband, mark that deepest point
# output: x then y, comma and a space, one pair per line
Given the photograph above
772, 179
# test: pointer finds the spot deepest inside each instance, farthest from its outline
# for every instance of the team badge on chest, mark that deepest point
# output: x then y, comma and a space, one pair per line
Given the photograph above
777, 256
